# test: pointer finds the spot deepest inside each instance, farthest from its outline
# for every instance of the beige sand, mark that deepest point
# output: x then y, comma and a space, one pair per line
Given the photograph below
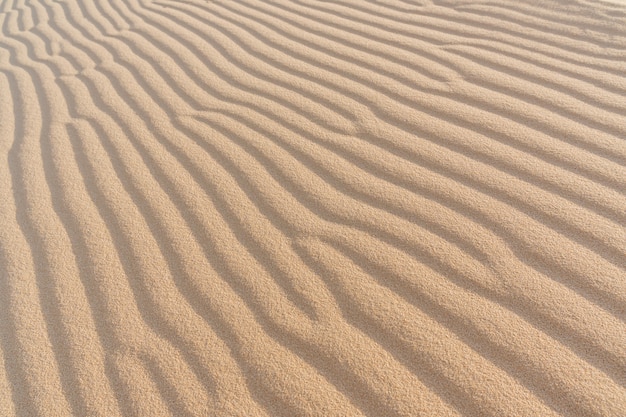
312, 208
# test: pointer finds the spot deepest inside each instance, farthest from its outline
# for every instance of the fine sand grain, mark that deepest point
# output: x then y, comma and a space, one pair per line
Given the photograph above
290, 208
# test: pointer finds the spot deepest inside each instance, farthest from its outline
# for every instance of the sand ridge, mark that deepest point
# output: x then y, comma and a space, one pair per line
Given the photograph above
312, 208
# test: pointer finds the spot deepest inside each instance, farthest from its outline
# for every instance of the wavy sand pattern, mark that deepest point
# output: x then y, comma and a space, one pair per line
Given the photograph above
312, 208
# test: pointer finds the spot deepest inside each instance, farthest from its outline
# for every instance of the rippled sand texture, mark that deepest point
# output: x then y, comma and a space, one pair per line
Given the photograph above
312, 208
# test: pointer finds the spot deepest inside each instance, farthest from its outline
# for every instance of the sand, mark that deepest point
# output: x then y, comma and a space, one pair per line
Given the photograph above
312, 208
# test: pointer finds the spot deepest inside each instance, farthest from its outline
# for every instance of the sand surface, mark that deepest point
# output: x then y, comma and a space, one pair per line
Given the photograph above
375, 208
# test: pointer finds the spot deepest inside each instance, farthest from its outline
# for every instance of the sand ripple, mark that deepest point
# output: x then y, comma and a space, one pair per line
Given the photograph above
312, 208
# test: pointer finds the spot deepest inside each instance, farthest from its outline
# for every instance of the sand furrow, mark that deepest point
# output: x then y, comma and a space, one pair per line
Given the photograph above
474, 318
417, 185
203, 227
402, 241
80, 245
55, 293
305, 207
570, 160
432, 23
9, 396
24, 336
393, 323
201, 349
567, 32
361, 31
576, 16
437, 29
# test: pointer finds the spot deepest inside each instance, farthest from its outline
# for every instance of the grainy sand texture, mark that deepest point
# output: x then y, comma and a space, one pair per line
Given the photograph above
383, 208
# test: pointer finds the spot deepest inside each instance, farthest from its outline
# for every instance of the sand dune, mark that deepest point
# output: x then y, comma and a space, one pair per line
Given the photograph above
312, 208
